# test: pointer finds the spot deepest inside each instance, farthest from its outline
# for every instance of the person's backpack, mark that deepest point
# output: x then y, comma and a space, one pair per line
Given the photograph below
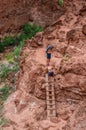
51, 73
48, 47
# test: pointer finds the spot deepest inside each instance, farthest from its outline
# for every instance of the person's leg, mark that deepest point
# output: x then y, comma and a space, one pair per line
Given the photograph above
48, 58
48, 61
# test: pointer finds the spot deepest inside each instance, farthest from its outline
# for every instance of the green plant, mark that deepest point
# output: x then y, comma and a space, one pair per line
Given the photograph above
28, 32
4, 92
3, 121
31, 30
37, 28
4, 71
1, 47
15, 67
1, 107
8, 41
22, 36
67, 57
9, 57
60, 2
17, 50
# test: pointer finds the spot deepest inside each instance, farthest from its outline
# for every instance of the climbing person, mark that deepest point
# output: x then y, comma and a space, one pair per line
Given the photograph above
50, 71
48, 53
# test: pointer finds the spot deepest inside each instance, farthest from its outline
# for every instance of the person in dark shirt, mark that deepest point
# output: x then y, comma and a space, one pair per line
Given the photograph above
48, 53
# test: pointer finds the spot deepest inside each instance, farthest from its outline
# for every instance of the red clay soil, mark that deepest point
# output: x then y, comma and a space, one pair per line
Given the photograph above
15, 13
26, 108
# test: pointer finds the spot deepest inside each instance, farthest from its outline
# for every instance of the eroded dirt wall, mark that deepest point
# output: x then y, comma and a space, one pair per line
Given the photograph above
14, 13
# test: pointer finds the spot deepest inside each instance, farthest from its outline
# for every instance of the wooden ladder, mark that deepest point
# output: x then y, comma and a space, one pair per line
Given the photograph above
50, 98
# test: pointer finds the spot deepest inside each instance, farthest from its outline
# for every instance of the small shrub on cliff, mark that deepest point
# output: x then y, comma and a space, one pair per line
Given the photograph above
1, 47
22, 36
3, 121
17, 50
8, 41
28, 32
31, 30
9, 57
5, 70
4, 92
60, 2
67, 57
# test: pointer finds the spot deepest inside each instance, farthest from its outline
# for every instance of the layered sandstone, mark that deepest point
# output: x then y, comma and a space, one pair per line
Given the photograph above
26, 108
15, 13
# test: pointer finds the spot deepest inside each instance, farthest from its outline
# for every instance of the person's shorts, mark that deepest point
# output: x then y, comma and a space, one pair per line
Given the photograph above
50, 73
48, 55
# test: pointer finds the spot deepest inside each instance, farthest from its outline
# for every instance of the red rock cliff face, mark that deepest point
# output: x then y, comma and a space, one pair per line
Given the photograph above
26, 107
14, 13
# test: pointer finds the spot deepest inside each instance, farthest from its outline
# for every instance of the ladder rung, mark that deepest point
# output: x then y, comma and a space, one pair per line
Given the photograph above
49, 112
49, 85
50, 98
50, 102
50, 95
51, 107
49, 89
52, 115
50, 92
